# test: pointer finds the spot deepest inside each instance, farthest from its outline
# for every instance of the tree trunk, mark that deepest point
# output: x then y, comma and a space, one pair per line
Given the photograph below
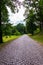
1, 40
41, 26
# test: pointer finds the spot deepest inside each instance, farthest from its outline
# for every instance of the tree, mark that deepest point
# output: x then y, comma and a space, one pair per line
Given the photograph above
21, 28
37, 6
30, 22
12, 4
31, 27
40, 14
7, 29
14, 30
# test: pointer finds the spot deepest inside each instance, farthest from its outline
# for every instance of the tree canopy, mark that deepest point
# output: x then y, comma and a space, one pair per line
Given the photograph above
34, 12
12, 4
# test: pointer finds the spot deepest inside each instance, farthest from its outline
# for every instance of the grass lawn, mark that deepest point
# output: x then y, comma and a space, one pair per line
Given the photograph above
38, 37
8, 39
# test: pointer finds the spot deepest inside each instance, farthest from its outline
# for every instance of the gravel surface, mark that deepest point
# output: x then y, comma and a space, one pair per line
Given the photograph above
22, 51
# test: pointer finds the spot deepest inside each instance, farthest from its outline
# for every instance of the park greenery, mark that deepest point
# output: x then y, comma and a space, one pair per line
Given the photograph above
38, 38
33, 17
12, 4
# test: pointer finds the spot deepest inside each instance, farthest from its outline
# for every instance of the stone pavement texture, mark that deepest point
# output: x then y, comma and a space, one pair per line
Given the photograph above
22, 51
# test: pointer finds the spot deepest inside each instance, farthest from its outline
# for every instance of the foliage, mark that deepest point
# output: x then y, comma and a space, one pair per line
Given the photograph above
17, 33
31, 27
7, 29
12, 4
36, 15
38, 38
30, 22
13, 30
21, 28
9, 38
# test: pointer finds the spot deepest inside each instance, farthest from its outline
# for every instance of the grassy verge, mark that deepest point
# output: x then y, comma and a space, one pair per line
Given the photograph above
38, 37
8, 39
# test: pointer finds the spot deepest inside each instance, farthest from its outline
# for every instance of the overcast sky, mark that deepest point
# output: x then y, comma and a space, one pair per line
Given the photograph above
17, 17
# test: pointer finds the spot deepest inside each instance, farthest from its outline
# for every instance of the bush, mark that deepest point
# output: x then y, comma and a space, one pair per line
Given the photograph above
17, 33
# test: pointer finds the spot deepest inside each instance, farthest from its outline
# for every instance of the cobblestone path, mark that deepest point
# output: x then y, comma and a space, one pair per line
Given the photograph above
22, 51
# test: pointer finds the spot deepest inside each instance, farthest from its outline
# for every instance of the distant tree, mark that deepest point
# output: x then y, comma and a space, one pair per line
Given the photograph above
7, 29
17, 33
21, 28
14, 30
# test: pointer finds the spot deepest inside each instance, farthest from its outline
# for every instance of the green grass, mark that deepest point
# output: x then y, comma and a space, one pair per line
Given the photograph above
7, 40
38, 37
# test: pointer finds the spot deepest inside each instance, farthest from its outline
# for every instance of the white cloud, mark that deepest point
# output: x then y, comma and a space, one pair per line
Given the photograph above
17, 16
21, 0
